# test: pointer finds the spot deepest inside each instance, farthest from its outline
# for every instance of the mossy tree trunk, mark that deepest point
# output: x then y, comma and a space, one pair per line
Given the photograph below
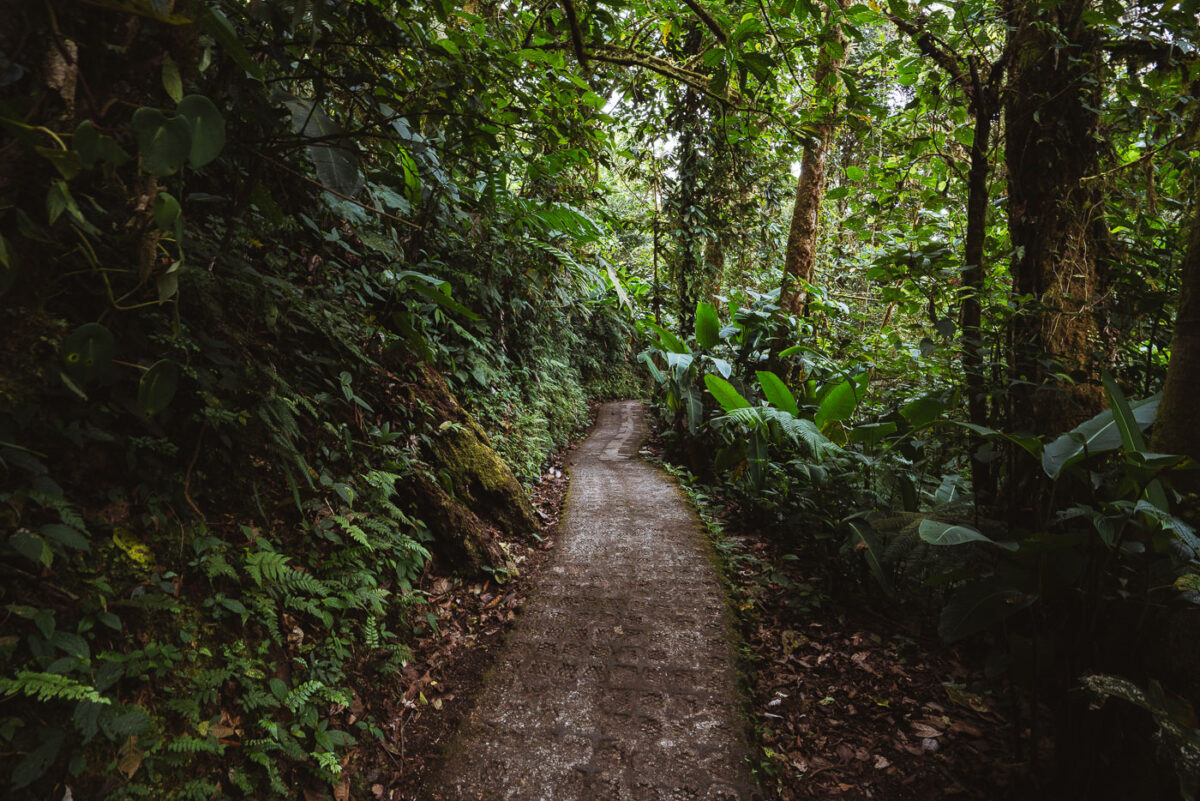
1175, 429
800, 255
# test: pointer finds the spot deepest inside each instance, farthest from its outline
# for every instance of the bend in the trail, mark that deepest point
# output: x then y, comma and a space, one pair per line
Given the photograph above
618, 683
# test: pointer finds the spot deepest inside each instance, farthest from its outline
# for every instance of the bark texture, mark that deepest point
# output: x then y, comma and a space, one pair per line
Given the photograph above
1054, 215
1175, 428
801, 254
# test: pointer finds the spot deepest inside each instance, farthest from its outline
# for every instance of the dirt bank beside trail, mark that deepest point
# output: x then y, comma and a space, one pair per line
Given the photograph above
618, 682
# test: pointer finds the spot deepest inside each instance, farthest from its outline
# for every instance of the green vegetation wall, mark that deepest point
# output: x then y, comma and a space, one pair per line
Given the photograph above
270, 298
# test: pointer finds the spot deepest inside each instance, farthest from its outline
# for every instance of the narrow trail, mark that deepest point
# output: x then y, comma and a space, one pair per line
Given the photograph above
618, 682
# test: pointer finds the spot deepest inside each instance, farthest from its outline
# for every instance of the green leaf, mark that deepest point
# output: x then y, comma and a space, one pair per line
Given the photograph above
218, 27
871, 434
1101, 434
66, 536
163, 142
777, 393
88, 351
724, 392
668, 339
708, 326
157, 387
171, 80
980, 605
336, 162
39, 760
935, 532
208, 128
864, 540
86, 144
854, 173
32, 547
168, 215
1131, 437
923, 411
1031, 445
838, 404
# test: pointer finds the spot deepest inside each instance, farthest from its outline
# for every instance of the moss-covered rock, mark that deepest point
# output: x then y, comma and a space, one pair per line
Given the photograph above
470, 495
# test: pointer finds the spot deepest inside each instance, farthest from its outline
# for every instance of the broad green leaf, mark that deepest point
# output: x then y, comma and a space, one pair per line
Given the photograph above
168, 215
31, 546
208, 129
88, 351
333, 156
838, 404
164, 142
1101, 434
1131, 437
695, 409
65, 535
980, 605
86, 144
871, 434
777, 393
38, 761
724, 368
171, 79
668, 339
724, 392
923, 411
1031, 445
218, 27
854, 173
680, 363
708, 326
647, 359
864, 540
936, 532
157, 387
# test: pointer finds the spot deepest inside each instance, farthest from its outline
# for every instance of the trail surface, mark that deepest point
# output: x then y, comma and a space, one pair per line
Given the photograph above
618, 682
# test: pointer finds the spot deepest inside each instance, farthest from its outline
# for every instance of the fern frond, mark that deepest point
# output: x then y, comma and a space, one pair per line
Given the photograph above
50, 687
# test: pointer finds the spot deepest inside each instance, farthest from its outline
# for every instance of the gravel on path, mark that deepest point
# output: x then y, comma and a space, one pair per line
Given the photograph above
619, 680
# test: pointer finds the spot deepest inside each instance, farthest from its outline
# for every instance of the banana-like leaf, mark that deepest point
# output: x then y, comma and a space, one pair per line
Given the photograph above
775, 391
923, 411
708, 326
838, 404
1101, 434
1131, 437
979, 605
864, 540
935, 532
724, 392
668, 339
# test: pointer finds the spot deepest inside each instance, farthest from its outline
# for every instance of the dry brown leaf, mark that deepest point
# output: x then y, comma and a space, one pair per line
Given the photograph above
925, 730
129, 758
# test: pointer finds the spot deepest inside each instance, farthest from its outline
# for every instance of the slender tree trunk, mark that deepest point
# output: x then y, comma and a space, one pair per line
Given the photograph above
1175, 428
801, 252
973, 346
1054, 217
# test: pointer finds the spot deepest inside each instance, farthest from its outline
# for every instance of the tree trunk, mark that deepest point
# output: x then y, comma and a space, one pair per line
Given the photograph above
801, 252
1054, 216
1175, 428
973, 346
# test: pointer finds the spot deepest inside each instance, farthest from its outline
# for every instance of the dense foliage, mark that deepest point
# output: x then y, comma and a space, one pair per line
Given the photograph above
272, 269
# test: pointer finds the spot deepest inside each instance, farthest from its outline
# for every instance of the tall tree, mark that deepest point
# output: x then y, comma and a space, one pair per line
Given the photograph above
801, 253
1175, 429
1052, 119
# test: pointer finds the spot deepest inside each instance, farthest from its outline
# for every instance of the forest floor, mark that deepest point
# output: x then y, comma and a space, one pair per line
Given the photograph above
844, 702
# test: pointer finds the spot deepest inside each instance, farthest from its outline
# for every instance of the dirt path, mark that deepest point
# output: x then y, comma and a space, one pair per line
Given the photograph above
618, 682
